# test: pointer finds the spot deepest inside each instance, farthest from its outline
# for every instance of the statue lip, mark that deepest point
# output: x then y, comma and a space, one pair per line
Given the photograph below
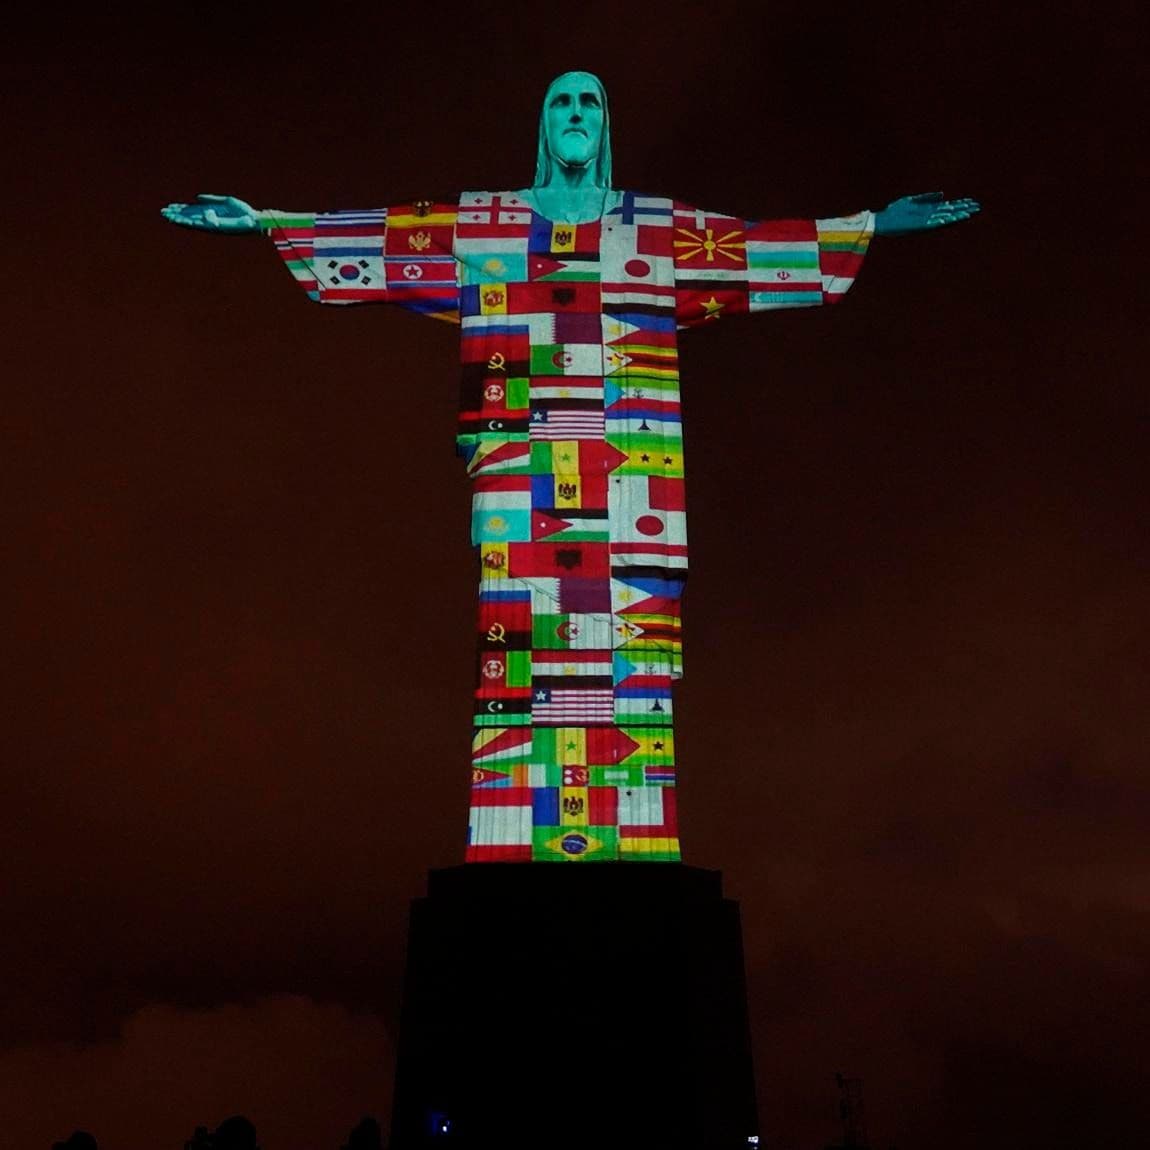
581, 131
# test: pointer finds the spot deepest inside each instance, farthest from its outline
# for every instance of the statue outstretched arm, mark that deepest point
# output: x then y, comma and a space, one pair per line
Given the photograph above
727, 266
397, 255
724, 265
922, 212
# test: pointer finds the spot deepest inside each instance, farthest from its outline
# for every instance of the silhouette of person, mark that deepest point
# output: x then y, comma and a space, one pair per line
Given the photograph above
235, 1133
366, 1136
78, 1140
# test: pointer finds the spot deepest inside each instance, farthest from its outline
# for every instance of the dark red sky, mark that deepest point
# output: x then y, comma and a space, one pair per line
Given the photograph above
914, 727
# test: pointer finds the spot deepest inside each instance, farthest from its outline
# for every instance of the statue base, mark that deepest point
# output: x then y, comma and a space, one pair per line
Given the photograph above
594, 1004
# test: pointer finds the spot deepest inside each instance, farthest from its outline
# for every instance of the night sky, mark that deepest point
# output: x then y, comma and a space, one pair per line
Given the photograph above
239, 645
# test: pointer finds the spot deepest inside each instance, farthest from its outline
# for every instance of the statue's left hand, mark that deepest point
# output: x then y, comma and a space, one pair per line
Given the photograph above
922, 212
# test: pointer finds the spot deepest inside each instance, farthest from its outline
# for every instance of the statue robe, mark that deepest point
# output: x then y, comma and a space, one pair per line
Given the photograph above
570, 426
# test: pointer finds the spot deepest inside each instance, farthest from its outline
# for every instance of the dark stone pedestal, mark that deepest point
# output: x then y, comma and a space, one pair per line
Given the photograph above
592, 1005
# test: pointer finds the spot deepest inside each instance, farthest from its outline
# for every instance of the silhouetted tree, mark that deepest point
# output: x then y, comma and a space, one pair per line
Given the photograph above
366, 1136
235, 1133
79, 1140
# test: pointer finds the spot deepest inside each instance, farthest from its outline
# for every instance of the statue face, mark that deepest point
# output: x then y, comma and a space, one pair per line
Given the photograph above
574, 118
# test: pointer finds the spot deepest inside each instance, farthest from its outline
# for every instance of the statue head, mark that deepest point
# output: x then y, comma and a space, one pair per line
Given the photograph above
574, 128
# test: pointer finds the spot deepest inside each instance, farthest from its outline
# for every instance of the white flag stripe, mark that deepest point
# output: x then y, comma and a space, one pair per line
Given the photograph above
467, 247
556, 665
563, 426
642, 707
343, 219
641, 806
501, 826
620, 426
575, 389
501, 501
762, 277
640, 294
716, 273
575, 707
768, 247
634, 556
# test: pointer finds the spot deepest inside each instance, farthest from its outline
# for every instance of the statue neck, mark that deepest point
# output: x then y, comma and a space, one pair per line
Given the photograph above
571, 195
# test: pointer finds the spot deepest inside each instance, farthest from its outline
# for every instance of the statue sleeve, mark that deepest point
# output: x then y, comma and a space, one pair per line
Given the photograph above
724, 266
400, 255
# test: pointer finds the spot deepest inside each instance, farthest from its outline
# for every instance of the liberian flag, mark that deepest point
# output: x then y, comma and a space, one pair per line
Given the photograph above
558, 707
568, 424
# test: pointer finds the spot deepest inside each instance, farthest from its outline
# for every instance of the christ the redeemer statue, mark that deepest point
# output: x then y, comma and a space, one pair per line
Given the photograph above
570, 295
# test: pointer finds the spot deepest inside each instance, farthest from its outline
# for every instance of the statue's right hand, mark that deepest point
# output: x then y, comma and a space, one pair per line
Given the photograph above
215, 214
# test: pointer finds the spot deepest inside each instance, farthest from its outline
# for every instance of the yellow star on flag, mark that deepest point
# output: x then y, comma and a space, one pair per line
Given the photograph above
711, 308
